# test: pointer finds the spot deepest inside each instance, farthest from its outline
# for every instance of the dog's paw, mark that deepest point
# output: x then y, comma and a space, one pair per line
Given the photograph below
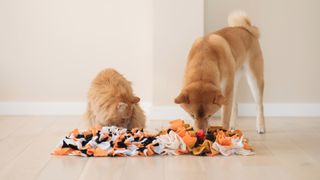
232, 125
261, 130
260, 125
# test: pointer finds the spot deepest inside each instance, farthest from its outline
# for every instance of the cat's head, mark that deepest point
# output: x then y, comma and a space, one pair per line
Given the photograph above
120, 112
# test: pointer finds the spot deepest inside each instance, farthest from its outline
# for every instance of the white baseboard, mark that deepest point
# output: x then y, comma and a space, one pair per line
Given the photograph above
42, 108
155, 112
282, 110
49, 108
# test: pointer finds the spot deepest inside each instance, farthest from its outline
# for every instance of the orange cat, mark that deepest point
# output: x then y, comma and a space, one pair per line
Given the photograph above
111, 102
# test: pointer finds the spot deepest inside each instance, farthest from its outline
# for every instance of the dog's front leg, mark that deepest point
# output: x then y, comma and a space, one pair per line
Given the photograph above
226, 114
227, 106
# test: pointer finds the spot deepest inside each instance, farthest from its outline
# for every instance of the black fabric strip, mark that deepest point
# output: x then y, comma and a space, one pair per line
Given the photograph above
88, 137
211, 137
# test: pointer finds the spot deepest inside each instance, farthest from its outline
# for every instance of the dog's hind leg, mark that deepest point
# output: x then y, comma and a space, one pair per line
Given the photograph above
254, 74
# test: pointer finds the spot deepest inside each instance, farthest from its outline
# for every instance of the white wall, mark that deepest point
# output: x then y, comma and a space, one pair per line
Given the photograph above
176, 25
51, 50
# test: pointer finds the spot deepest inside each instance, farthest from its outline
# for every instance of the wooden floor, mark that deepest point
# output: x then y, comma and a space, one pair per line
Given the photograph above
289, 150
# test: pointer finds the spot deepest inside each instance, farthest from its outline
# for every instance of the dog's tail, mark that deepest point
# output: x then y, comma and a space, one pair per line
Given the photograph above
240, 18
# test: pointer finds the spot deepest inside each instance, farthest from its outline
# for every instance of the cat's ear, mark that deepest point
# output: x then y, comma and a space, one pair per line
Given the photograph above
121, 107
135, 100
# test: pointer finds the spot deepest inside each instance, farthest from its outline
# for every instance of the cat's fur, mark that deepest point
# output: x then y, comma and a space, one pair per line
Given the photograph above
111, 102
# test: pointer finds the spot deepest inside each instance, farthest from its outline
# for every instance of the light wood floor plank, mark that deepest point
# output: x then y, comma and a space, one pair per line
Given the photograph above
10, 125
104, 168
61, 167
42, 136
69, 168
188, 167
17, 142
138, 168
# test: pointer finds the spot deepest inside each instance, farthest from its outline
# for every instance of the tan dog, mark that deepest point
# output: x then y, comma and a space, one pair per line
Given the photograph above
111, 102
215, 65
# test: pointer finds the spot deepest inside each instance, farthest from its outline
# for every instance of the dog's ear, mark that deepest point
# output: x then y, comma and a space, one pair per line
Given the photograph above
135, 100
121, 107
182, 98
219, 98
